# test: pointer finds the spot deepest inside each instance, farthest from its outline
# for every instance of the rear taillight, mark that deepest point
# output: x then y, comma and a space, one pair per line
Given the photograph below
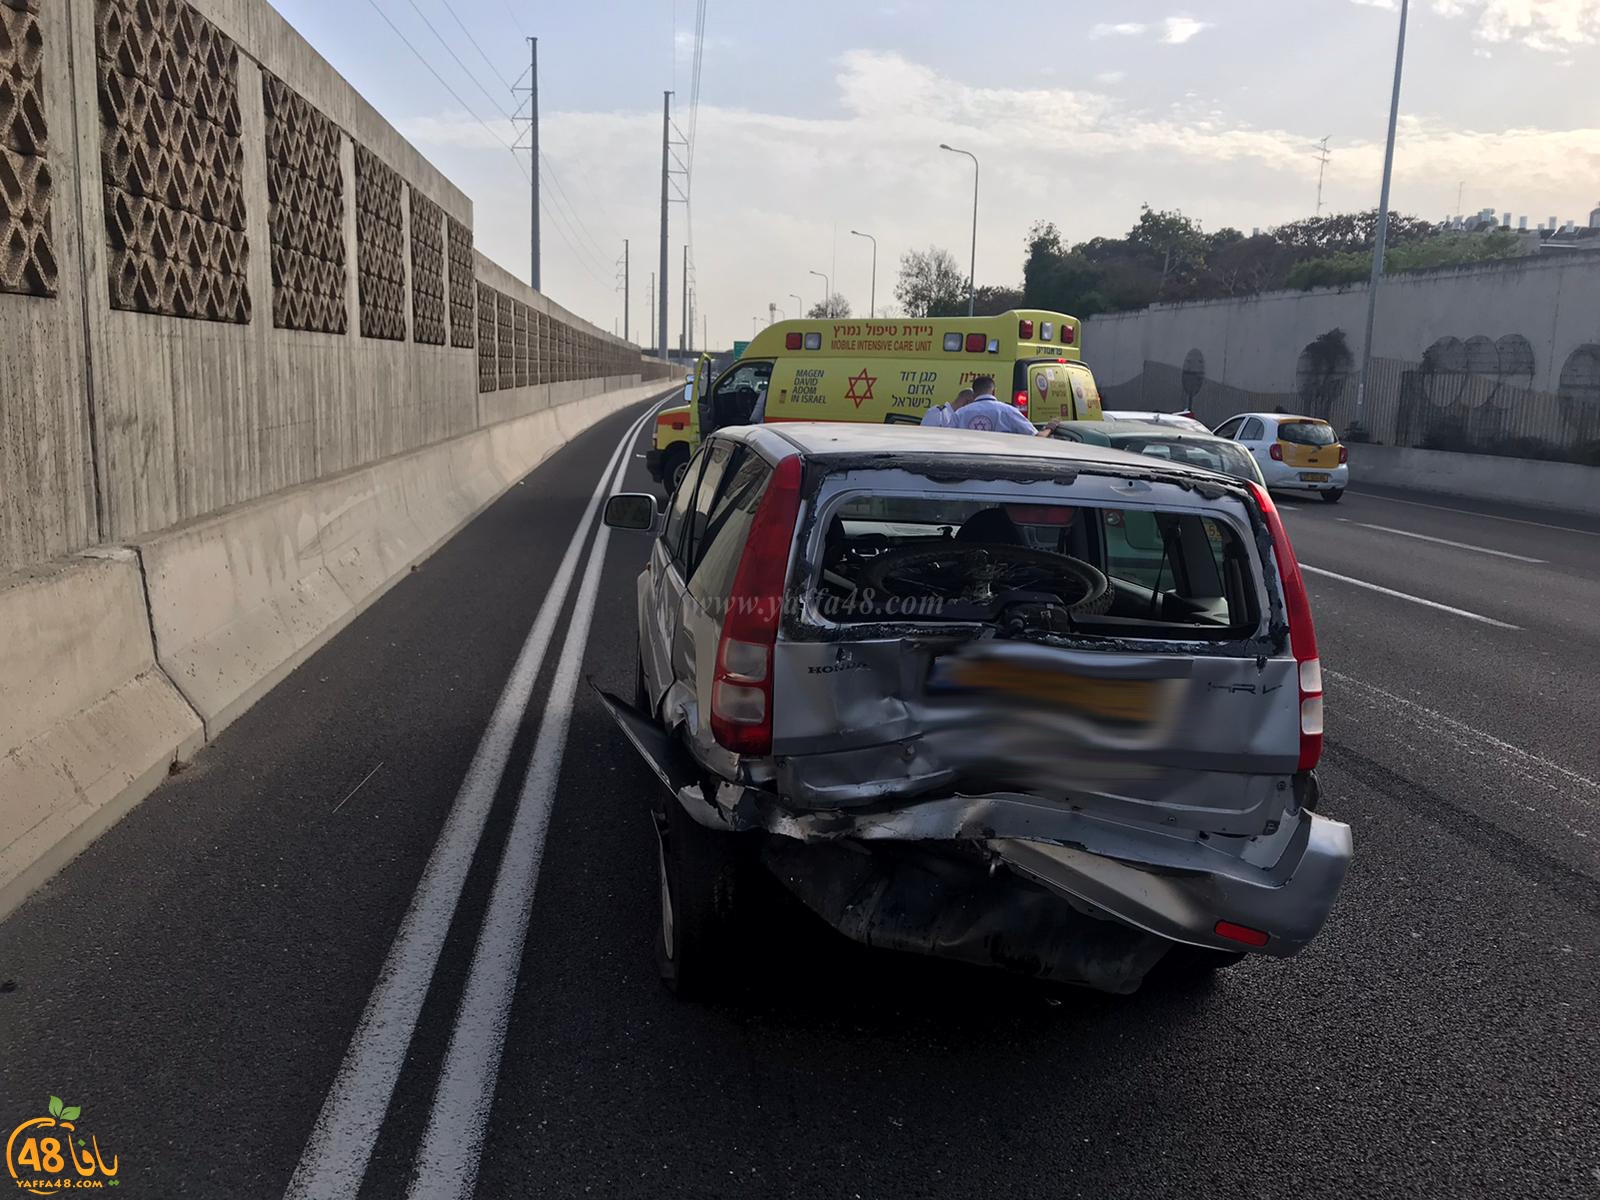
1025, 330
792, 341
741, 684
1344, 455
1302, 633
1241, 933
1275, 452
1020, 400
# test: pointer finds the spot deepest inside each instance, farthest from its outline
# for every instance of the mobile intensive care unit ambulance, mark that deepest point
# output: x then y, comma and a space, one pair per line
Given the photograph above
885, 371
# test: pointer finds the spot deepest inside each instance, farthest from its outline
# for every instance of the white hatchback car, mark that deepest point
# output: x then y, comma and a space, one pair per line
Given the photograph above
1296, 454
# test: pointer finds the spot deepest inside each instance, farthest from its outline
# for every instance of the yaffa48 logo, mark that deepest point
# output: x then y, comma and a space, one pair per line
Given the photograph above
46, 1154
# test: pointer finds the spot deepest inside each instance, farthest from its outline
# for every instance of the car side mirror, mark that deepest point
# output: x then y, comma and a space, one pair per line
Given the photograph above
632, 510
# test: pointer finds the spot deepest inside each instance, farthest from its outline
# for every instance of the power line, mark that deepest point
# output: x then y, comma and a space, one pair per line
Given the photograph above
442, 83
555, 179
451, 10
457, 57
572, 221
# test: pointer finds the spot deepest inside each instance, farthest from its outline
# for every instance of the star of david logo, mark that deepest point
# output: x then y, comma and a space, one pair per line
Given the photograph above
861, 387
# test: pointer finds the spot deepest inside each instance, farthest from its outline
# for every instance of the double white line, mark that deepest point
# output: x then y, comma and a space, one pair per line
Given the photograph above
335, 1158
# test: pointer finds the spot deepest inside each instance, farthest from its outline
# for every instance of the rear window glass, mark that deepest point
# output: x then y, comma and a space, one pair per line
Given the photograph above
1034, 568
1306, 433
1227, 458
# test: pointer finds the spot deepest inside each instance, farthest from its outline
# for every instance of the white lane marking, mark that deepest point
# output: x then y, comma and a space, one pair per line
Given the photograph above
1443, 541
1474, 740
1372, 587
1467, 512
335, 1158
452, 1145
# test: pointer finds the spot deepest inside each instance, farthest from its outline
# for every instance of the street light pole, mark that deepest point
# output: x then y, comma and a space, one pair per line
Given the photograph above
872, 305
799, 305
827, 290
972, 274
1381, 239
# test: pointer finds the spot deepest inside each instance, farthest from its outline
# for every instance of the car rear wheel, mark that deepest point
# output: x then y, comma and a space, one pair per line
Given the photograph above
1332, 495
702, 874
674, 462
641, 696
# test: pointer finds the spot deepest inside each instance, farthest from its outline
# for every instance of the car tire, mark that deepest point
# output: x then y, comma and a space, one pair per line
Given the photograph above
702, 875
1332, 495
674, 462
641, 695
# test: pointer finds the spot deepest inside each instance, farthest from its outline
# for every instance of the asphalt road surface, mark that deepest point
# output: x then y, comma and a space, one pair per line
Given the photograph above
269, 980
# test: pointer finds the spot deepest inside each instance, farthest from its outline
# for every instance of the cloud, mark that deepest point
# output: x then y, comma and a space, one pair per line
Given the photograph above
1174, 31
1111, 77
1125, 29
776, 194
1549, 26
1178, 30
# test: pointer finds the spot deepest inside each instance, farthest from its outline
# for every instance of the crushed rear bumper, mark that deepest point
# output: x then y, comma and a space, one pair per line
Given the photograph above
1022, 875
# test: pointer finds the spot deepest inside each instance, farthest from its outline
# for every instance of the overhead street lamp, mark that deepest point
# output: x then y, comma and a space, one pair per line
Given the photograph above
827, 291
799, 304
1383, 218
872, 305
972, 274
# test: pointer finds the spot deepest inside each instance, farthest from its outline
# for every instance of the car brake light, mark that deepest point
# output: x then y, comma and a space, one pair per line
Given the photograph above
741, 684
1025, 330
1068, 335
1344, 455
977, 343
1275, 452
1020, 399
1241, 933
792, 341
1302, 633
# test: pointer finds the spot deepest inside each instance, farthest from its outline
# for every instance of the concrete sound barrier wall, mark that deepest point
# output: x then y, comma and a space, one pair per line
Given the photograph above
136, 655
1564, 487
238, 600
89, 724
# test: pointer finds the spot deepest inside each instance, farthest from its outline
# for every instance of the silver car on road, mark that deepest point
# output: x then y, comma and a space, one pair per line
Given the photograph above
1046, 706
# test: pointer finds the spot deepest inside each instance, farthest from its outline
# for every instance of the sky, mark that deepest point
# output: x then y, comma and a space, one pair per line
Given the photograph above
821, 118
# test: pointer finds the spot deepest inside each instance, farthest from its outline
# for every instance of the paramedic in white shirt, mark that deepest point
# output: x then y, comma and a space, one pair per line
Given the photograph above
944, 415
987, 413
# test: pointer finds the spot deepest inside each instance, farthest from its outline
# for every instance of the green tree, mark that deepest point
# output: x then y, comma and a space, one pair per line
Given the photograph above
834, 306
1059, 279
990, 300
931, 284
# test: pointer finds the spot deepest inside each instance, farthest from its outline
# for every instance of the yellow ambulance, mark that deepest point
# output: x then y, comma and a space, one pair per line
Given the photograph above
884, 370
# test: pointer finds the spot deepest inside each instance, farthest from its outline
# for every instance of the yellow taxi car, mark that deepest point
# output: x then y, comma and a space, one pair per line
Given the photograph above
882, 371
1295, 454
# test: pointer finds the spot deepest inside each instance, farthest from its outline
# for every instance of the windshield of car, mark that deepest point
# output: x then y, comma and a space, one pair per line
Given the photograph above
1224, 457
1307, 433
1030, 568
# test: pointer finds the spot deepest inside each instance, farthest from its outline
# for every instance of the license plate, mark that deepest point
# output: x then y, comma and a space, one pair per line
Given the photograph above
1314, 476
1129, 702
